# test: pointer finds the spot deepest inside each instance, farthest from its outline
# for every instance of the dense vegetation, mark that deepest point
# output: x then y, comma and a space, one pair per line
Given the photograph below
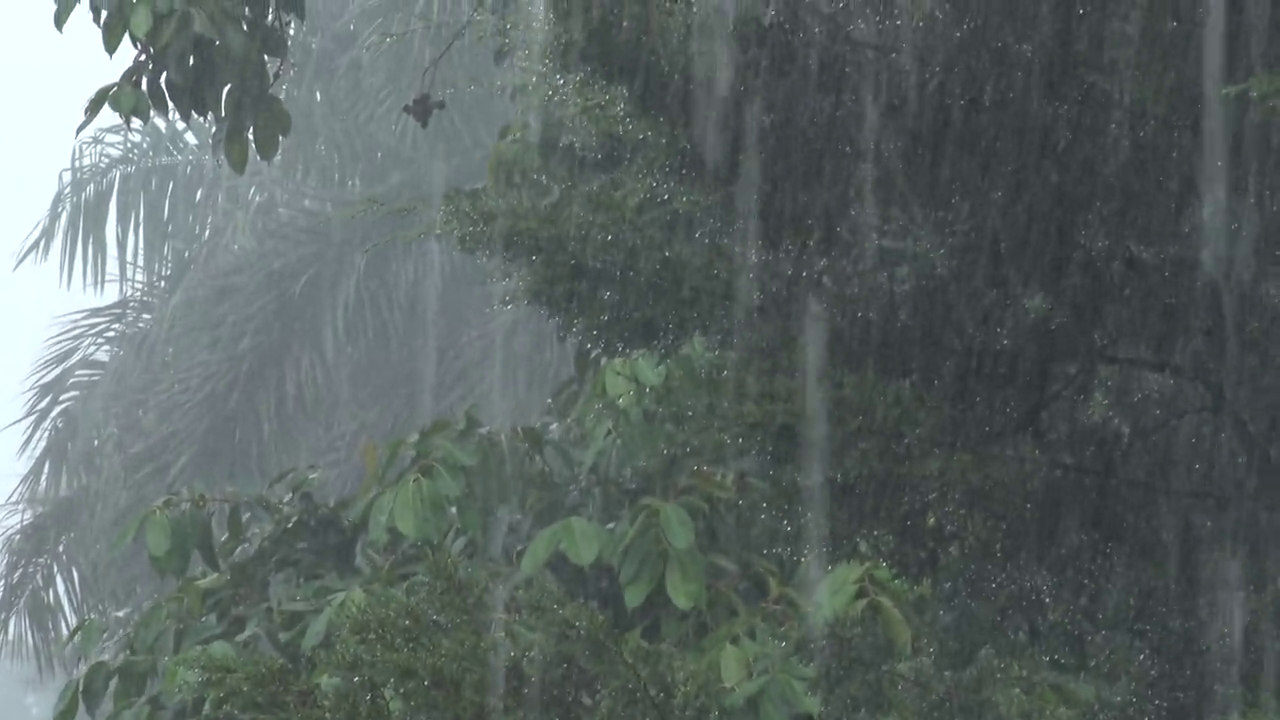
921, 374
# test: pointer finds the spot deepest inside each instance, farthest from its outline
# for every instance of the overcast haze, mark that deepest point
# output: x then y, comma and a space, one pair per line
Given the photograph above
56, 74
50, 77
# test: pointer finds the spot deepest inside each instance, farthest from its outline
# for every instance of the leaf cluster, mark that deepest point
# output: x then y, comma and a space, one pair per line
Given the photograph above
292, 590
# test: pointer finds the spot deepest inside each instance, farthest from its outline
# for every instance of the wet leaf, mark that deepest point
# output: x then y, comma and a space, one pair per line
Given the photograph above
735, 667
317, 629
686, 579
159, 534
236, 150
140, 19
93, 686
648, 371
677, 526
407, 511
616, 384
68, 704
63, 13
541, 548
380, 516
646, 580
95, 105
895, 625
581, 541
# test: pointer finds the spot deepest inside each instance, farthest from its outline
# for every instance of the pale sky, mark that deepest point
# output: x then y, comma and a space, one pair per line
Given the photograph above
51, 77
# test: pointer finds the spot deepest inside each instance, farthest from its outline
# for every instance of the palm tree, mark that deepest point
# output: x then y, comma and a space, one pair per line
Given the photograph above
282, 317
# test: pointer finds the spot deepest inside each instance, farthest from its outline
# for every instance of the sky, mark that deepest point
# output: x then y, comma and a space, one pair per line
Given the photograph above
51, 77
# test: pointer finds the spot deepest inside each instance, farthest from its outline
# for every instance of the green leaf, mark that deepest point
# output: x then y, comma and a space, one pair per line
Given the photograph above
746, 691
836, 591
95, 105
235, 147
113, 30
648, 371
221, 650
616, 384
63, 13
445, 483
131, 681
121, 100
68, 705
202, 537
734, 665
408, 509
677, 526
159, 534
129, 532
379, 517
634, 557
266, 141
140, 20
93, 686
686, 579
894, 624
235, 528
541, 548
316, 630
581, 541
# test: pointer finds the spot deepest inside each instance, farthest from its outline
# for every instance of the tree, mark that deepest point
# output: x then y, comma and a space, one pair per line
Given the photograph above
281, 317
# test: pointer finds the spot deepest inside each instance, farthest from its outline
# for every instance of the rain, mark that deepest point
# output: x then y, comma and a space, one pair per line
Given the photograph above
655, 359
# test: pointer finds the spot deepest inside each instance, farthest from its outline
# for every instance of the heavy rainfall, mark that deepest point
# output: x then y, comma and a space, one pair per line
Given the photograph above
658, 360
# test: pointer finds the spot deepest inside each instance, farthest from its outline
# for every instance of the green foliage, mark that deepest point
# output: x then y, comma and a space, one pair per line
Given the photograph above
208, 59
582, 194
297, 605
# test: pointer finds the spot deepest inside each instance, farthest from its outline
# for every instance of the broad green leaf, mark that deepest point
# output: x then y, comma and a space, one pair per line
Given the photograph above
894, 624
95, 105
113, 30
236, 150
121, 99
616, 384
734, 665
648, 371
266, 141
686, 579
235, 529
93, 686
581, 541
63, 13
746, 691
221, 649
140, 19
445, 483
638, 552
407, 512
639, 589
836, 591
201, 525
131, 681
379, 517
542, 547
68, 704
799, 698
159, 534
316, 629
646, 579
130, 531
89, 631
677, 526
598, 436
